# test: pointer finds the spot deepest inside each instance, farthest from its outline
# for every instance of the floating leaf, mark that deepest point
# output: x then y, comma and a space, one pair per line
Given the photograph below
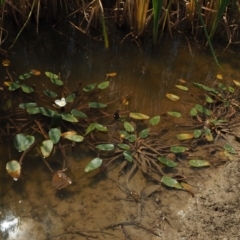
193, 112
69, 117
74, 138
100, 127
123, 146
229, 148
105, 147
178, 149
90, 128
170, 182
56, 81
185, 136
51, 75
26, 88
203, 110
228, 155
132, 138
54, 134
97, 105
103, 85
22, 142
175, 114
209, 99
197, 133
204, 87
199, 163
219, 76
231, 89
128, 155
89, 87
24, 76
154, 120
167, 162
182, 87
144, 133
46, 148
172, 97
12, 86
45, 111
77, 113
14, 169
113, 74
68, 133
49, 93
128, 127
124, 134
6, 63
70, 97
94, 164
237, 83
138, 116
35, 72
208, 135
27, 105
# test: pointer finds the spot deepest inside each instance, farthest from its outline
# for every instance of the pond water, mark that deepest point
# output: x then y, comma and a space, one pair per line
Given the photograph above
96, 206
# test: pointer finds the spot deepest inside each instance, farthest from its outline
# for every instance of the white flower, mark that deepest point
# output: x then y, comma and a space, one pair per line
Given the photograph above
61, 103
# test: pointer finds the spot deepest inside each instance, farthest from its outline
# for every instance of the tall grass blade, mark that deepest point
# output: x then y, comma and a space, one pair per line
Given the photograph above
206, 33
141, 7
157, 8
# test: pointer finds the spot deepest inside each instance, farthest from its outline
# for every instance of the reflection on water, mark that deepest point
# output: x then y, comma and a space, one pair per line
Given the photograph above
30, 208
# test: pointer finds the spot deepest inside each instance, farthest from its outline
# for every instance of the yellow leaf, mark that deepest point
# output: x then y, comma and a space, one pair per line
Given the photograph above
68, 133
182, 81
185, 136
172, 97
219, 76
236, 83
7, 83
35, 72
6, 63
111, 74
188, 188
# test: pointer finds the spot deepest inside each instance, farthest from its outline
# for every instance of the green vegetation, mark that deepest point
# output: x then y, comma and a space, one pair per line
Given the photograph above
55, 119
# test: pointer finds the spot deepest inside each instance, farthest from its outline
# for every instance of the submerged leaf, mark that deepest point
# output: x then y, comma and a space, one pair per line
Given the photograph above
60, 180
167, 162
204, 87
27, 105
138, 116
22, 142
94, 164
77, 113
199, 163
128, 155
49, 93
97, 105
105, 147
89, 87
170, 182
46, 148
175, 114
14, 169
154, 120
172, 97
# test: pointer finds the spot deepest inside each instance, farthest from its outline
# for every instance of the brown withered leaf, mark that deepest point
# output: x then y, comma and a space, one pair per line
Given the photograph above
60, 180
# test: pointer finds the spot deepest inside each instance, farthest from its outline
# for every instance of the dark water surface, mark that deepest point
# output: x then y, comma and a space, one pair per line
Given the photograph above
30, 208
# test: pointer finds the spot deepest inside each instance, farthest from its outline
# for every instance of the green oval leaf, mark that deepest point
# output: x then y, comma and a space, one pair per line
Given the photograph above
90, 128
229, 148
193, 112
209, 99
22, 142
74, 138
51, 75
208, 135
170, 182
69, 117
178, 149
105, 147
123, 146
185, 136
97, 105
154, 120
24, 76
77, 113
27, 105
128, 127
50, 94
172, 97
55, 135
175, 114
128, 155
94, 164
26, 88
231, 89
144, 133
103, 85
70, 97
204, 87
100, 127
13, 86
138, 116
132, 138
14, 169
56, 81
199, 163
167, 162
89, 87
184, 88
197, 133
203, 110
46, 148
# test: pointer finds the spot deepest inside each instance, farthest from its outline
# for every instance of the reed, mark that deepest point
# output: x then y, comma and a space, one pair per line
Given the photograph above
157, 9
